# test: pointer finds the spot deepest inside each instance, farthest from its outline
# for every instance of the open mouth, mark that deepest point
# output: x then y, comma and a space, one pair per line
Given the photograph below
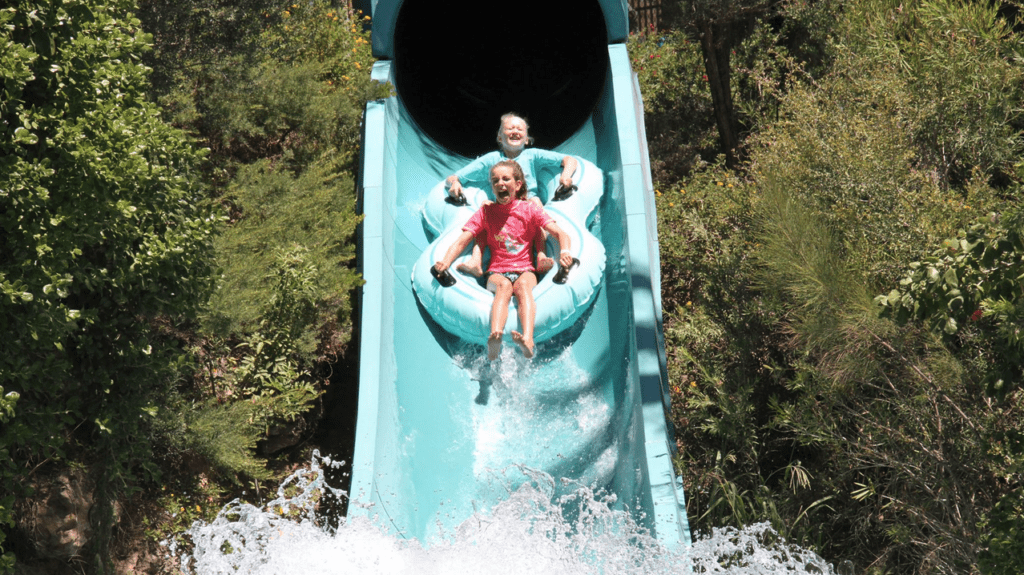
502, 194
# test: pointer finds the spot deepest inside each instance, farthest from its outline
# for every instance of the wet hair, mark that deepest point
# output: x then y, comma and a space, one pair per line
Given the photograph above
517, 175
509, 116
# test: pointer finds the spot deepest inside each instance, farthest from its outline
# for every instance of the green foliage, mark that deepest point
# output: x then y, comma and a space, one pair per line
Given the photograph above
276, 91
7, 403
224, 436
677, 104
1002, 529
292, 92
177, 504
276, 210
192, 34
718, 334
1003, 539
973, 276
670, 72
951, 73
281, 112
793, 401
105, 232
269, 373
882, 410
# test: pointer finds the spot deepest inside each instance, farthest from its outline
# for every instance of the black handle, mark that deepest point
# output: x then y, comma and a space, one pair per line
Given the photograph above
459, 200
563, 193
563, 272
445, 278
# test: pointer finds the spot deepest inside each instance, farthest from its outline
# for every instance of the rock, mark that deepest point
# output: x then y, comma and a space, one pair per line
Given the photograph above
55, 520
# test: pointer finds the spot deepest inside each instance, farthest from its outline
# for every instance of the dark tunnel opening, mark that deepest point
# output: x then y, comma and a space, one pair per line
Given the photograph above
461, 64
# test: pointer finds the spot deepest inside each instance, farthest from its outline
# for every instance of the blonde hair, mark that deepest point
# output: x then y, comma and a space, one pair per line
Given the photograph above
509, 116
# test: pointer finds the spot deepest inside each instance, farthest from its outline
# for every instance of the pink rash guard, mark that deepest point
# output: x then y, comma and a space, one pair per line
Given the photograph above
509, 231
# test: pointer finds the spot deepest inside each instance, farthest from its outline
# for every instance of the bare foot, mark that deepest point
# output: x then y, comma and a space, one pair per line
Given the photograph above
472, 268
544, 264
526, 347
493, 347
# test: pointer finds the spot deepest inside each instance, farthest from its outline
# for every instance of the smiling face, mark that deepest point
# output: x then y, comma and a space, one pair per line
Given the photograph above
504, 182
512, 137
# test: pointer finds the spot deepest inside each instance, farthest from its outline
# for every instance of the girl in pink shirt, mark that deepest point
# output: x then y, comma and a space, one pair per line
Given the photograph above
509, 227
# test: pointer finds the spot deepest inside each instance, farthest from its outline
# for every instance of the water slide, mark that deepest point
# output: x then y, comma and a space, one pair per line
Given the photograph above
441, 432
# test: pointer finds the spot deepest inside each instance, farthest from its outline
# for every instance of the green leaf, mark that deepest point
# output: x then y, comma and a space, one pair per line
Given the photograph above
955, 304
23, 136
950, 278
950, 326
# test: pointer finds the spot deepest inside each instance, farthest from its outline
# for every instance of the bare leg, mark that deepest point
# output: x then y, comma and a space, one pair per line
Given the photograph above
523, 290
502, 288
540, 243
475, 264
544, 263
493, 346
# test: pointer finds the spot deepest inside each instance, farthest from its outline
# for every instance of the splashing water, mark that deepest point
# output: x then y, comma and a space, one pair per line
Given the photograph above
527, 533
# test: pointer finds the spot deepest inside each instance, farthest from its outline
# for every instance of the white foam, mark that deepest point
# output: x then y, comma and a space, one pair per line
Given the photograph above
527, 533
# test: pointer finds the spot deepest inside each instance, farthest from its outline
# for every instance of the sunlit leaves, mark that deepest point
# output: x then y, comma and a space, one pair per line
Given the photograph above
104, 231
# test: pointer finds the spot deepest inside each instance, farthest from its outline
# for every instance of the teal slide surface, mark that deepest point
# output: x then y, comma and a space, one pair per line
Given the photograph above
442, 433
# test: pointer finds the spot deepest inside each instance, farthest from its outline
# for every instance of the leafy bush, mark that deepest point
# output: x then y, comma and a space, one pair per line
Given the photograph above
7, 403
280, 106
974, 275
269, 374
223, 436
105, 233
721, 347
950, 66
793, 401
283, 120
275, 210
677, 103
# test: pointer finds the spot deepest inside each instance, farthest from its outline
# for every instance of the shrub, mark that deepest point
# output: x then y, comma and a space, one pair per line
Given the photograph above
950, 68
677, 102
105, 236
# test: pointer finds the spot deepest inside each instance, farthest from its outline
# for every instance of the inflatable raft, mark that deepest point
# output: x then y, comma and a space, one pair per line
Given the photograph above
464, 308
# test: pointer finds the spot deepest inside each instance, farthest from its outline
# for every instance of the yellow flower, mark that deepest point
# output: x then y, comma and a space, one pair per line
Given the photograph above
689, 303
344, 78
720, 184
198, 508
358, 67
729, 186
671, 205
693, 384
287, 13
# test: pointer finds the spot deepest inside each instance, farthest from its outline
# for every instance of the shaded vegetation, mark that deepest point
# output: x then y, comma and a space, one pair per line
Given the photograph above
178, 247
841, 310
